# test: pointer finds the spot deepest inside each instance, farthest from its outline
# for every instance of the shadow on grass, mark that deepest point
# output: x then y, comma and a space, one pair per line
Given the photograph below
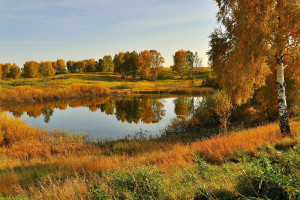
27, 175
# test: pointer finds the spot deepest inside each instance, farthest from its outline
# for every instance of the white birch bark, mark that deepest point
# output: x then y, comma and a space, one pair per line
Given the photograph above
282, 105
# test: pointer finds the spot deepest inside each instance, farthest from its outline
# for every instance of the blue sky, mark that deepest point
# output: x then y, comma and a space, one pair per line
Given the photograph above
81, 29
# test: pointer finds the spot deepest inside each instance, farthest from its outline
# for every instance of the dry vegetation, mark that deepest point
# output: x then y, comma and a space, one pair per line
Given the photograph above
94, 84
28, 154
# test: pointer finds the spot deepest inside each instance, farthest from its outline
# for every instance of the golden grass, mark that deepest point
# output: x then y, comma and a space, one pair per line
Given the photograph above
95, 84
219, 148
27, 94
22, 145
21, 142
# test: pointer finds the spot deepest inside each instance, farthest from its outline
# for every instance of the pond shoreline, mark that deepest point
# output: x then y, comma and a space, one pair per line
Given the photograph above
28, 94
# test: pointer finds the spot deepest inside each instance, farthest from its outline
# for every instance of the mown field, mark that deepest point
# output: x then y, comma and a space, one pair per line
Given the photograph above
253, 163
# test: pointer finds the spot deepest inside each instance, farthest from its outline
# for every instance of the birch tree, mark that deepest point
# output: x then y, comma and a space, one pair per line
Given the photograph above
252, 33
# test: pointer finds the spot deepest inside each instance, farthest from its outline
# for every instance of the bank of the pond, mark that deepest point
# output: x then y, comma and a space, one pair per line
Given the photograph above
29, 155
28, 94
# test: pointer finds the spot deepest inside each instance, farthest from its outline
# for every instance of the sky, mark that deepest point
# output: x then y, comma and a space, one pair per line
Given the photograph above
47, 30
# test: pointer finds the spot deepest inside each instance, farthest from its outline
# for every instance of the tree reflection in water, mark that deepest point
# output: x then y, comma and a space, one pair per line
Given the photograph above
133, 109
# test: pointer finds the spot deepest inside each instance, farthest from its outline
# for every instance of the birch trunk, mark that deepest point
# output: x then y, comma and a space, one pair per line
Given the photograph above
282, 105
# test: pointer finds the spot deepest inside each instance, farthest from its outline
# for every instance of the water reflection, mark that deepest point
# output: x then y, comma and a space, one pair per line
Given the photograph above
132, 109
184, 106
108, 116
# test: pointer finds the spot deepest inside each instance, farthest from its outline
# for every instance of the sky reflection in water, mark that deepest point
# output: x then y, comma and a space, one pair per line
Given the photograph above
107, 117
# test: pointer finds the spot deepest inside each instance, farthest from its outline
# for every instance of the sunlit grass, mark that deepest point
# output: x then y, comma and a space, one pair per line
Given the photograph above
28, 154
166, 80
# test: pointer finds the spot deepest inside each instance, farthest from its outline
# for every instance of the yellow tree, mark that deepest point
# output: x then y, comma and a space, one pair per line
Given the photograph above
145, 61
61, 66
30, 69
157, 64
180, 62
253, 33
46, 69
14, 72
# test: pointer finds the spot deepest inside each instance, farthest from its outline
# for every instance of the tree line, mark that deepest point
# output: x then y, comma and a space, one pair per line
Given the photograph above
146, 64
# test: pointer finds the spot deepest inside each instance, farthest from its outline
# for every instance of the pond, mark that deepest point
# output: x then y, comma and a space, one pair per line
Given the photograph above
107, 117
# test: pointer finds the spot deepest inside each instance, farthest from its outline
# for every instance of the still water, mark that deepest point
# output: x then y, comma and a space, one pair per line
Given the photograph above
107, 117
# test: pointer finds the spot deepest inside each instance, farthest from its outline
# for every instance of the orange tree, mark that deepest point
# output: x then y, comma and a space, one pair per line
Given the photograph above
253, 34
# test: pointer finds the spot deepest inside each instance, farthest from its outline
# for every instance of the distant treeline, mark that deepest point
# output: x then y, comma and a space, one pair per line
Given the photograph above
147, 65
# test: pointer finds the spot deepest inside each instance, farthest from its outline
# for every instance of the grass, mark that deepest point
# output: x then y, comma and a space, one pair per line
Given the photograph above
38, 164
62, 86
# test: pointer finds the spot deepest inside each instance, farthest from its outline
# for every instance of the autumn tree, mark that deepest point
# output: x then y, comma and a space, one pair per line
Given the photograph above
194, 62
145, 61
80, 66
222, 107
156, 65
130, 65
60, 66
253, 34
106, 64
46, 69
180, 62
119, 63
5, 70
30, 69
71, 66
90, 65
1, 73
14, 72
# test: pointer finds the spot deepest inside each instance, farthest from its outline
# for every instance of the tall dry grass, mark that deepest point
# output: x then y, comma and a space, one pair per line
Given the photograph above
219, 148
22, 145
28, 94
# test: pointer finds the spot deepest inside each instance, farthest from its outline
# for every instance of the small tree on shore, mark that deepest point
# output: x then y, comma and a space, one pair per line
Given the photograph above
222, 107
